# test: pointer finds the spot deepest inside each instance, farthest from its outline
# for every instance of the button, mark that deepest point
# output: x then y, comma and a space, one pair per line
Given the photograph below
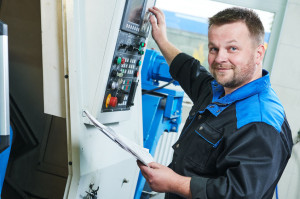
200, 128
107, 100
114, 73
122, 61
218, 111
211, 106
113, 101
141, 52
114, 85
142, 44
199, 117
121, 97
120, 81
136, 73
177, 145
120, 74
139, 62
119, 60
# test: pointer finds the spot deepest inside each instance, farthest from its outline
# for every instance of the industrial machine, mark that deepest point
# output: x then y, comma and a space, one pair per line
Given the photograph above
5, 131
162, 108
92, 55
103, 49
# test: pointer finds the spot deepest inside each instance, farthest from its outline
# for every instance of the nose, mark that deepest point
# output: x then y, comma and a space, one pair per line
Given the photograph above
221, 56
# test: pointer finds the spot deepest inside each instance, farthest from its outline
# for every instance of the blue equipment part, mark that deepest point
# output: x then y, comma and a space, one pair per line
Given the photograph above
4, 156
155, 68
4, 89
161, 108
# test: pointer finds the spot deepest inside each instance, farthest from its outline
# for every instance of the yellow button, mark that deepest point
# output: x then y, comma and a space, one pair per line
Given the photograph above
177, 145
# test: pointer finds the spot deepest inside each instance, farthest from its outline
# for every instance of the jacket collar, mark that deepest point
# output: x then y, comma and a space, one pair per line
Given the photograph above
219, 103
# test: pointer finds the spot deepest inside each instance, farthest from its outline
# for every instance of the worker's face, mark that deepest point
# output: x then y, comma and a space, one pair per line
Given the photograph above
234, 57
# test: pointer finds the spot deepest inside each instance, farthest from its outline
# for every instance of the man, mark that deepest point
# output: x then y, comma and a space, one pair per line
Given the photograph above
236, 141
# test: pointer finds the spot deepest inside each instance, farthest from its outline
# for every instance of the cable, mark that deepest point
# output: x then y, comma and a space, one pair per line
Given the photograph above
150, 91
276, 190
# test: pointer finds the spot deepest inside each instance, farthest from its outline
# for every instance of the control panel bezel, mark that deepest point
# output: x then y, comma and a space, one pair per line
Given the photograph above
143, 28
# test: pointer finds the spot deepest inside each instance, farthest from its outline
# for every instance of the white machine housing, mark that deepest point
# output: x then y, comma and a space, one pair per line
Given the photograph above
86, 34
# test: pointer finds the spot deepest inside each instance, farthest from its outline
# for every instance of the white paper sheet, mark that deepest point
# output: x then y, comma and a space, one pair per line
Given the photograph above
140, 153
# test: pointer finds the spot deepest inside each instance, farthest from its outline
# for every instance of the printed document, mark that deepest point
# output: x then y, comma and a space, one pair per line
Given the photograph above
140, 153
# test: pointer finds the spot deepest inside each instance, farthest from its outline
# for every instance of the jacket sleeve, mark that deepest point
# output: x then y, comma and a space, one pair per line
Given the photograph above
252, 162
191, 75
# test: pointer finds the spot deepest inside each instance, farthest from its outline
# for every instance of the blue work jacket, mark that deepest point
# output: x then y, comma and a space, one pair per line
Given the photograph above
235, 146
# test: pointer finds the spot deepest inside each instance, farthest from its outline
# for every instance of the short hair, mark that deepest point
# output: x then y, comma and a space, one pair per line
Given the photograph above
235, 14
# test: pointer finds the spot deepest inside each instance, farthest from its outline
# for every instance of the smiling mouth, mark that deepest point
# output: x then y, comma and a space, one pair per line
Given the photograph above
222, 69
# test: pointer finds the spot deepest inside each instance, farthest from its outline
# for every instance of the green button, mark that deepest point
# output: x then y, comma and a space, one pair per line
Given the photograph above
139, 62
142, 52
119, 60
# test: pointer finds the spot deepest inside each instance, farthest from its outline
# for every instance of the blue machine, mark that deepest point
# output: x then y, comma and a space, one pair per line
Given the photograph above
161, 106
4, 156
5, 131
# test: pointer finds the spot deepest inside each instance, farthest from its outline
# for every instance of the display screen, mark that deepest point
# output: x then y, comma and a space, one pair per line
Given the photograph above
135, 12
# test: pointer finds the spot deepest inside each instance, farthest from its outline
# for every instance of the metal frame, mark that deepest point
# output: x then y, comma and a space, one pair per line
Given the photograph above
4, 89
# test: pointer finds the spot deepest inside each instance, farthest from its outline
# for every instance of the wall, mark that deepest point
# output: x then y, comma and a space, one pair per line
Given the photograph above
286, 82
38, 166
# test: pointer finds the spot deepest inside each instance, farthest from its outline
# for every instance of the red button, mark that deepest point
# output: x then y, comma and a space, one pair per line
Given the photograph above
113, 101
136, 73
123, 61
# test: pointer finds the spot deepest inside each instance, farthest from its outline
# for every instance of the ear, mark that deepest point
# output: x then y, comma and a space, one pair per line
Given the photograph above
260, 53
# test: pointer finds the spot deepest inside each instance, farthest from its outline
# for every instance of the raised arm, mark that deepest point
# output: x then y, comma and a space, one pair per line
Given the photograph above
159, 34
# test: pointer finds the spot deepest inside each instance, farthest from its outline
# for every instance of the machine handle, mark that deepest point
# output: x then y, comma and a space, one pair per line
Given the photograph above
4, 89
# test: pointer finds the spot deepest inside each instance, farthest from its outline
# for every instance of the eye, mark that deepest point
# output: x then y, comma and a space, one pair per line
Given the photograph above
233, 49
213, 49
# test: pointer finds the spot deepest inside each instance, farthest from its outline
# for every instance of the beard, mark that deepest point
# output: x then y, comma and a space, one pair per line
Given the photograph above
238, 77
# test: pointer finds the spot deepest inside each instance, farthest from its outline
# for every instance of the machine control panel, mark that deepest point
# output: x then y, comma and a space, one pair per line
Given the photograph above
123, 78
124, 72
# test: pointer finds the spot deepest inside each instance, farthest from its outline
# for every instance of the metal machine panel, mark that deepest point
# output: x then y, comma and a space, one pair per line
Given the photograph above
93, 42
125, 64
4, 89
53, 58
5, 131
